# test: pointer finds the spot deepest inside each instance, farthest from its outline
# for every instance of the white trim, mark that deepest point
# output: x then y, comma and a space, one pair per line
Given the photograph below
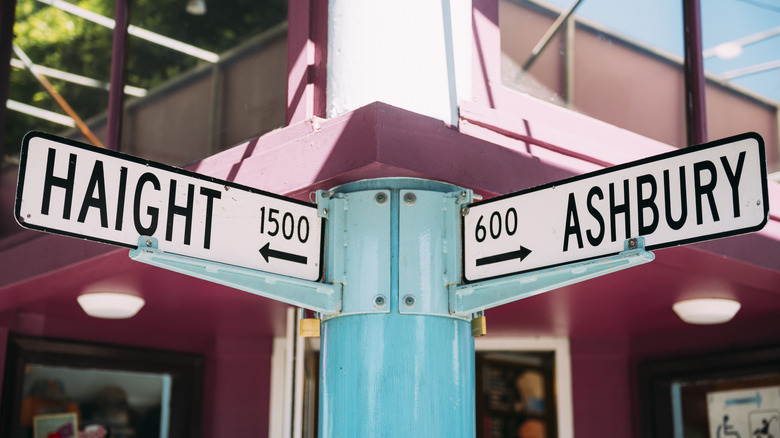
78, 79
135, 31
39, 113
563, 382
276, 408
298, 382
285, 413
289, 356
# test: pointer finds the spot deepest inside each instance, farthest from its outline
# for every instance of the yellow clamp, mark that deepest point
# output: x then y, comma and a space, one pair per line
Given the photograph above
478, 326
310, 328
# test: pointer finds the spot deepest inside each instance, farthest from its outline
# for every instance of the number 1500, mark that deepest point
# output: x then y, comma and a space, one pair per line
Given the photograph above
287, 226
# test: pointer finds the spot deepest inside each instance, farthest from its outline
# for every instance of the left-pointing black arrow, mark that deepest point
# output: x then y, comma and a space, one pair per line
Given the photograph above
511, 255
267, 253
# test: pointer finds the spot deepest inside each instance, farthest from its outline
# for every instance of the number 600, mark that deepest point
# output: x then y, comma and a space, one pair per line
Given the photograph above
496, 225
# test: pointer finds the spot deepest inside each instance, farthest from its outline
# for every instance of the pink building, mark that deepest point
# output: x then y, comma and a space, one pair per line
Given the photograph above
456, 109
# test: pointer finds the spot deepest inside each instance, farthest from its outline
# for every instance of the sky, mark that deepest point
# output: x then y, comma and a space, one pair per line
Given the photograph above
658, 23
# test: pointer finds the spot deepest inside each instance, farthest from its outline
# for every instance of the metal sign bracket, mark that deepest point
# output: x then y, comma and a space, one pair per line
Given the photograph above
319, 297
477, 297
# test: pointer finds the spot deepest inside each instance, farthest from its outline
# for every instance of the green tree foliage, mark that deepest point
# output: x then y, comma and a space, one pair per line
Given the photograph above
60, 40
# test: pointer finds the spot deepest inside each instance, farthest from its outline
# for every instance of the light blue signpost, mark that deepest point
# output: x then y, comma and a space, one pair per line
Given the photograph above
395, 361
404, 268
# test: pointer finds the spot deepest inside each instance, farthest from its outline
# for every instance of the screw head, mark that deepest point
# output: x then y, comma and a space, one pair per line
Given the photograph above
325, 211
148, 242
380, 301
632, 244
409, 301
380, 198
410, 198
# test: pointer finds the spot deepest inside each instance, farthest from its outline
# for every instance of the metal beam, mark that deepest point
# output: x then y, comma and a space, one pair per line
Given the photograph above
695, 107
551, 32
472, 298
115, 96
319, 297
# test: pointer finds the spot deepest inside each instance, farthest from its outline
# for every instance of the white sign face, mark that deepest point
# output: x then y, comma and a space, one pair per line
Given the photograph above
70, 188
745, 413
689, 195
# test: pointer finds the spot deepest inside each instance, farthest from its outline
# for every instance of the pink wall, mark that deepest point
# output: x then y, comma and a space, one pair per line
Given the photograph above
600, 387
240, 389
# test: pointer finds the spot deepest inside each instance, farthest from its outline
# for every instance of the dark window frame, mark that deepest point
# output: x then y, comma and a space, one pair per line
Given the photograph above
186, 371
655, 380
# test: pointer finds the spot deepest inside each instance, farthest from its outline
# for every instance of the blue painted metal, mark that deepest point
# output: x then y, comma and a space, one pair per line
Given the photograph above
469, 298
324, 298
429, 254
391, 375
357, 247
394, 373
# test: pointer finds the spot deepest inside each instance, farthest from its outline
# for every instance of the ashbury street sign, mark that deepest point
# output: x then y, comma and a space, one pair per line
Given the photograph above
70, 188
689, 195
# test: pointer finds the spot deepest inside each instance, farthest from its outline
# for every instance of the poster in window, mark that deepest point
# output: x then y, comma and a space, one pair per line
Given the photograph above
55, 426
752, 412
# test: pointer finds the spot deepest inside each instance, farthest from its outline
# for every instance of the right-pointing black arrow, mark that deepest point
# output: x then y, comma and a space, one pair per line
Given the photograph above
519, 254
267, 252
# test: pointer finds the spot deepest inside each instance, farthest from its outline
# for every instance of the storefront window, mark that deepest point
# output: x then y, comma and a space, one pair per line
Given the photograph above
67, 389
741, 42
726, 395
516, 394
622, 62
112, 403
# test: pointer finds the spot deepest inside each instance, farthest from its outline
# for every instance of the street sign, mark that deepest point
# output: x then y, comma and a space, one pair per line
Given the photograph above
715, 190
77, 190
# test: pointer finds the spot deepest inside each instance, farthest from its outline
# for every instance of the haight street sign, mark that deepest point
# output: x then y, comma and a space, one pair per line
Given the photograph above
689, 195
77, 190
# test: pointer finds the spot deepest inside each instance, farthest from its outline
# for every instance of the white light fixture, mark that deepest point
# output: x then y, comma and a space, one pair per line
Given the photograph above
706, 310
196, 7
728, 50
110, 305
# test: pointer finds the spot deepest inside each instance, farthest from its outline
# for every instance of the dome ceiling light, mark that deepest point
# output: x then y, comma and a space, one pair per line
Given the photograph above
706, 310
110, 305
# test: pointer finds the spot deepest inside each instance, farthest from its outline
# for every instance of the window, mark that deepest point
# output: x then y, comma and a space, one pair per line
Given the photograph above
131, 392
623, 63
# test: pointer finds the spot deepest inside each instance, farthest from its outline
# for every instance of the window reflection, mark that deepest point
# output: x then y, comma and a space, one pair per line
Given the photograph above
111, 404
515, 394
622, 62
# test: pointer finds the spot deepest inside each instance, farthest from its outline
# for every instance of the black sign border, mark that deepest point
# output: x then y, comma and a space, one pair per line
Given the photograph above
127, 157
606, 170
